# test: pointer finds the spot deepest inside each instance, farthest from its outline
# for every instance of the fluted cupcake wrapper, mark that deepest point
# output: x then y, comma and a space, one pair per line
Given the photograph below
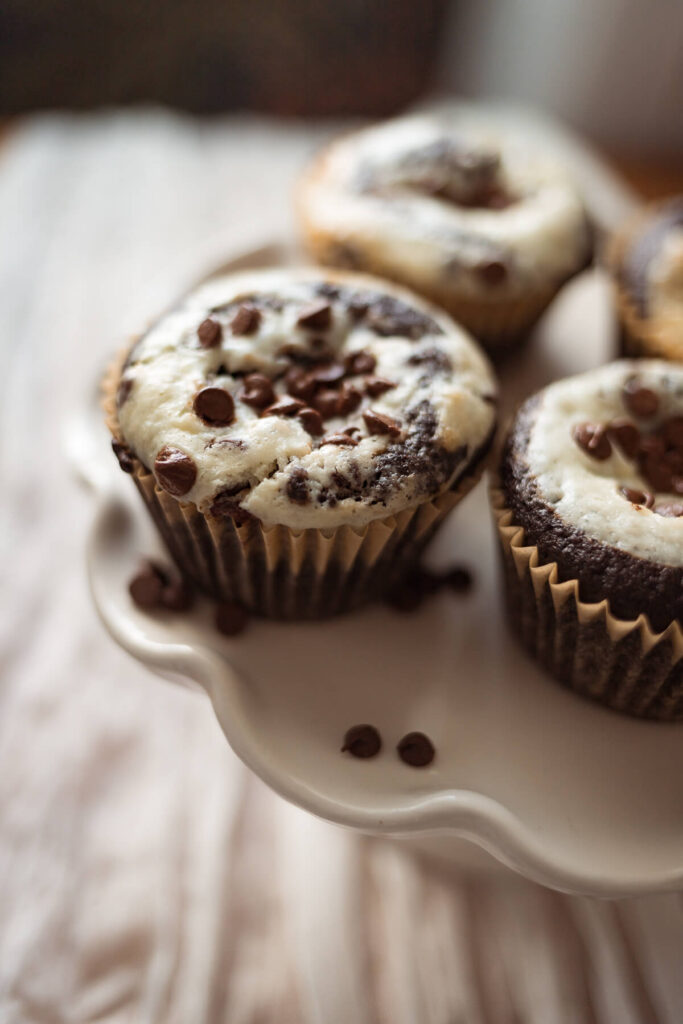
621, 663
279, 572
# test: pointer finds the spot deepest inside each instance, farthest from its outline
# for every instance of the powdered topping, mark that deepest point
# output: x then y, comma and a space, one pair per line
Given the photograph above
336, 400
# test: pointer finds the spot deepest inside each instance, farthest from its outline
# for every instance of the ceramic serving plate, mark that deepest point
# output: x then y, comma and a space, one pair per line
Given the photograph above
565, 792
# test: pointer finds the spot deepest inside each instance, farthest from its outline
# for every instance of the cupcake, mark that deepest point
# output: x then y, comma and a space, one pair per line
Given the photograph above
645, 259
471, 217
298, 436
590, 520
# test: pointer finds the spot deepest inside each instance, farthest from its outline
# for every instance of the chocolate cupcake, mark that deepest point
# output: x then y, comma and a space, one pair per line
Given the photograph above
590, 517
465, 214
298, 436
645, 259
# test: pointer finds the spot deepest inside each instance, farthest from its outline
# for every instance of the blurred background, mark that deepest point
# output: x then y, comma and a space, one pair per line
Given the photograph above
611, 68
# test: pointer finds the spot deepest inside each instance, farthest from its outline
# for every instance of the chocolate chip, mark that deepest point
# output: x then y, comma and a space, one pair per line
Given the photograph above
246, 320
326, 401
640, 401
378, 423
328, 373
124, 455
390, 317
670, 509
300, 383
375, 386
175, 471
459, 580
231, 619
492, 272
214, 406
177, 596
362, 741
318, 316
123, 391
672, 431
593, 439
657, 473
626, 435
146, 587
433, 359
652, 444
361, 362
416, 749
297, 486
285, 406
339, 438
209, 333
311, 420
349, 400
637, 497
257, 391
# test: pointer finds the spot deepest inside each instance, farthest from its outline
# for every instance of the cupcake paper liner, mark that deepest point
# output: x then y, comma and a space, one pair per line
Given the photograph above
279, 572
621, 663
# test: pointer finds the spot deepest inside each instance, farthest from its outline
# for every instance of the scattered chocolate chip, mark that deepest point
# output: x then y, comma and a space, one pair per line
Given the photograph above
390, 317
257, 391
416, 749
339, 438
177, 596
175, 471
246, 320
124, 455
378, 423
209, 333
362, 741
123, 391
637, 497
214, 406
376, 386
626, 435
328, 373
640, 401
670, 509
672, 431
361, 362
311, 420
349, 399
432, 359
593, 439
459, 579
326, 401
300, 383
231, 619
146, 587
285, 406
492, 272
318, 316
297, 486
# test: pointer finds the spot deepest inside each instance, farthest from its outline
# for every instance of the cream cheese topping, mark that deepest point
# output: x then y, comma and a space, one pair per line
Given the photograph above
585, 491
541, 235
441, 400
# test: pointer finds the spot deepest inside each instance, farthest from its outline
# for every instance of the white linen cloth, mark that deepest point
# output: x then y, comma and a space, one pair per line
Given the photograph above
146, 875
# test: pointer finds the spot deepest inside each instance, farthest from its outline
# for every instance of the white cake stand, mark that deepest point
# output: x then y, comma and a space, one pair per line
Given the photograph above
567, 793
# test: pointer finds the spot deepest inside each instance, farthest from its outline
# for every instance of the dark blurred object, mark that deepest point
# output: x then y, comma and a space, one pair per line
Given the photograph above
284, 56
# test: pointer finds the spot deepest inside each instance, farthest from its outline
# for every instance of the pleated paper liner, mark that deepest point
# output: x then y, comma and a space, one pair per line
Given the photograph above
499, 326
279, 572
620, 663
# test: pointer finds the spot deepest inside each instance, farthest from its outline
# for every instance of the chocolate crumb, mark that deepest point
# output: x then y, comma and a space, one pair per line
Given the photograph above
297, 486
231, 619
416, 750
362, 741
246, 320
209, 333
